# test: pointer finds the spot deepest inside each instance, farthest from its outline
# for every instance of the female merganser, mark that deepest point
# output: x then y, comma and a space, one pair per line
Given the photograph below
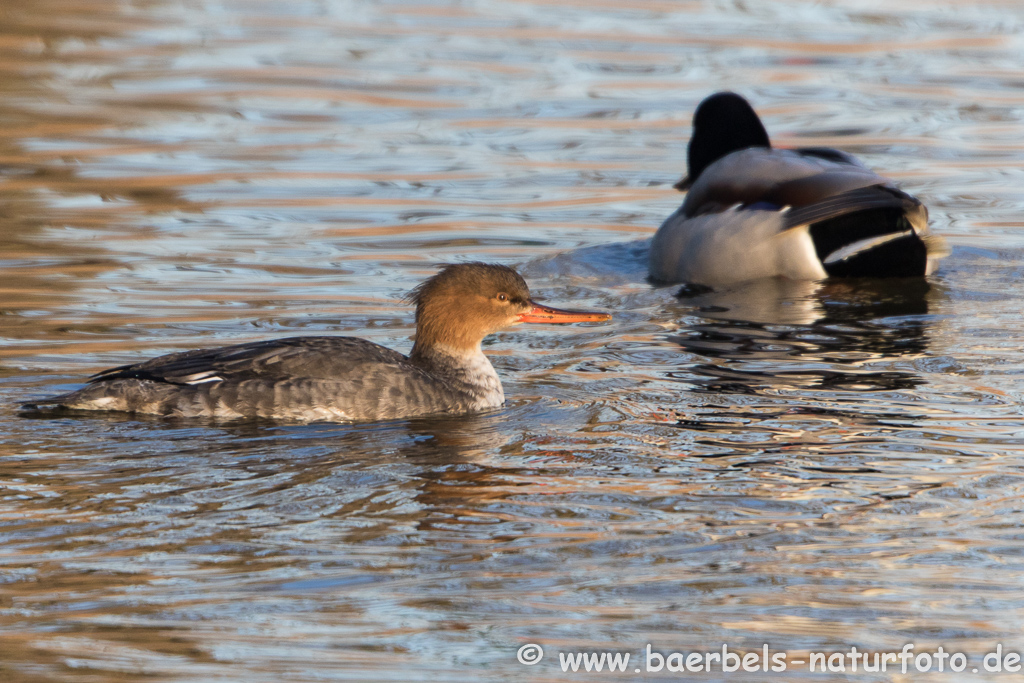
753, 211
340, 378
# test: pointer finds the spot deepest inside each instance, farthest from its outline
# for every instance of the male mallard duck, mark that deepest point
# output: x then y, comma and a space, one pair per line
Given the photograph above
754, 211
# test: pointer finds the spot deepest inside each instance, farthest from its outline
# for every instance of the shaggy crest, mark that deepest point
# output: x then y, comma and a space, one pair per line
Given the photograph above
465, 292
464, 279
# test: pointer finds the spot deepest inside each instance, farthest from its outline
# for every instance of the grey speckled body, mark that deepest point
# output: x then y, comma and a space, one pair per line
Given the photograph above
339, 378
301, 378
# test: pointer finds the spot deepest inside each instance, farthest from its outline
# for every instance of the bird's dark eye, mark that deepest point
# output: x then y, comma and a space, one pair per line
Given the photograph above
502, 297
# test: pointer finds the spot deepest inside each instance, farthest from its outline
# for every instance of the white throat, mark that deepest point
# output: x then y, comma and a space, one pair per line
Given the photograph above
471, 371
480, 373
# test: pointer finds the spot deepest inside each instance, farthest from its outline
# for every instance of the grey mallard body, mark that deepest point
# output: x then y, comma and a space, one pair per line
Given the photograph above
340, 378
754, 211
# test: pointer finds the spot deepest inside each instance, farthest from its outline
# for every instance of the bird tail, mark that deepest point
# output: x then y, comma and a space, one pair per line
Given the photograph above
875, 231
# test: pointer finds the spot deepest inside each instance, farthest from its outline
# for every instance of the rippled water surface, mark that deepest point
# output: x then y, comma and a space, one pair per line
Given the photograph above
808, 467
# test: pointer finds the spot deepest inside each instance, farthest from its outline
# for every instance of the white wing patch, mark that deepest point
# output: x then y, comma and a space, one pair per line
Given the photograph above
202, 378
863, 245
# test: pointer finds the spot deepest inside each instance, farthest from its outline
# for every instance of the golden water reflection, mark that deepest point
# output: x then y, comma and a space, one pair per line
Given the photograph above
811, 465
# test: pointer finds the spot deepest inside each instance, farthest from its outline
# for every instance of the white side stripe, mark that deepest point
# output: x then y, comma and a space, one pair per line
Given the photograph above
201, 378
863, 245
